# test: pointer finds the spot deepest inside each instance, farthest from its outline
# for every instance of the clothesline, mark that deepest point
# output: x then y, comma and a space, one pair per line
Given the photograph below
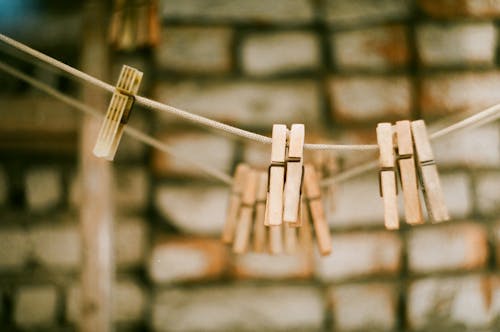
478, 119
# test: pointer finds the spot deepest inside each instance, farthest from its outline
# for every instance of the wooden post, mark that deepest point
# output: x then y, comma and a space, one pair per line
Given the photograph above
96, 214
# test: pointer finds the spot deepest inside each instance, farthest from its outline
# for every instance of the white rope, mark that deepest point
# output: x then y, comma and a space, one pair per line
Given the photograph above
154, 105
129, 130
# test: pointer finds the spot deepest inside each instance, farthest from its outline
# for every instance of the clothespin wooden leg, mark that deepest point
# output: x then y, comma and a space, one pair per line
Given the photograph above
290, 235
274, 204
431, 185
240, 176
313, 196
387, 175
294, 176
305, 234
408, 173
276, 239
118, 113
259, 229
244, 224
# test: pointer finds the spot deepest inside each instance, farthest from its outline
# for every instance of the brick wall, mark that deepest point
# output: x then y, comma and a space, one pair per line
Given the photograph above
339, 66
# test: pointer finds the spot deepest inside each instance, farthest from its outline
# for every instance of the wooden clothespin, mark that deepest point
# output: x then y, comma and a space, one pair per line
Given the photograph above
294, 175
290, 238
118, 113
276, 239
305, 234
259, 229
387, 175
240, 177
245, 217
408, 173
274, 205
313, 197
429, 177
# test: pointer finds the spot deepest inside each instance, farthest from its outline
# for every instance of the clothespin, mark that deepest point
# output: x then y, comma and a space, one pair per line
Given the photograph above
244, 224
290, 235
387, 175
313, 197
276, 239
274, 205
305, 234
259, 229
408, 173
118, 113
429, 177
240, 177
294, 175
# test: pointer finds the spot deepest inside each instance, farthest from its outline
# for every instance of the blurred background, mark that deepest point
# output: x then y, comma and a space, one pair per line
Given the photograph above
134, 244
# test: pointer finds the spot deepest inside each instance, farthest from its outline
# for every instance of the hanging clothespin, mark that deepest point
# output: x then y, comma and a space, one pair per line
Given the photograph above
408, 173
259, 229
313, 197
387, 175
429, 177
245, 217
118, 113
305, 234
294, 175
240, 177
276, 239
274, 205
290, 238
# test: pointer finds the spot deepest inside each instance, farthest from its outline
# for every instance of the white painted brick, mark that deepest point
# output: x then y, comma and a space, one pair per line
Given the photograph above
195, 49
458, 198
363, 254
265, 54
131, 242
187, 259
357, 203
460, 9
257, 155
455, 92
129, 302
374, 48
450, 246
245, 103
56, 246
131, 188
242, 308
441, 303
261, 11
43, 188
370, 98
366, 307
473, 148
193, 209
14, 248
488, 193
35, 306
354, 12
131, 148
457, 44
195, 146
265, 266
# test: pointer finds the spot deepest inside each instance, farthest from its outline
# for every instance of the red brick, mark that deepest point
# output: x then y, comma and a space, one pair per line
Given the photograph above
447, 247
370, 98
187, 259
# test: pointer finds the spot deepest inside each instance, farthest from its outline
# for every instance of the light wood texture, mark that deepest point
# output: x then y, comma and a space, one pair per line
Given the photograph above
275, 239
259, 229
305, 232
429, 176
294, 171
313, 195
408, 173
234, 202
117, 114
290, 235
274, 207
387, 175
96, 208
244, 224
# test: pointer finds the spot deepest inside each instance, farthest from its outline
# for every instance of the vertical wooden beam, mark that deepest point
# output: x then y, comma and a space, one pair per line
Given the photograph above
96, 214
